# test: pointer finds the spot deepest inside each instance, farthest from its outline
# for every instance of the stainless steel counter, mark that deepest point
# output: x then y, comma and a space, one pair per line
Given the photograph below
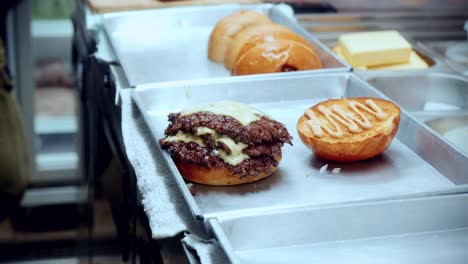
416, 26
419, 28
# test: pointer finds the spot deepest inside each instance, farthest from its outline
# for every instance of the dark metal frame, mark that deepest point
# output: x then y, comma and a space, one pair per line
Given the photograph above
102, 141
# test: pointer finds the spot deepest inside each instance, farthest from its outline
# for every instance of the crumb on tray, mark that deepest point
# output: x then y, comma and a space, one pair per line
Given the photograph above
323, 169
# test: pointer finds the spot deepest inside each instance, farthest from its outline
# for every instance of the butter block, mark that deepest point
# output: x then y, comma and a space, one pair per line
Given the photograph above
337, 51
375, 48
415, 63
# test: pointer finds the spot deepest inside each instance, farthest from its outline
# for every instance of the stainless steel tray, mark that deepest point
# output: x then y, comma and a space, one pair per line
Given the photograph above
417, 26
453, 53
409, 167
411, 231
171, 44
420, 28
433, 61
438, 100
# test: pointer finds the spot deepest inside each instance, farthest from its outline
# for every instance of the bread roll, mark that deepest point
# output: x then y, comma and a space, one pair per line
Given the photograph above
278, 56
254, 35
349, 129
227, 28
217, 175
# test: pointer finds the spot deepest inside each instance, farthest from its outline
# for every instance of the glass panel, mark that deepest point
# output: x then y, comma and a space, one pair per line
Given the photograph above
54, 95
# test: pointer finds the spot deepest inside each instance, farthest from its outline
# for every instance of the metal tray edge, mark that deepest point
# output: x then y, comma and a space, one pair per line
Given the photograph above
218, 233
214, 224
196, 212
366, 77
178, 9
272, 9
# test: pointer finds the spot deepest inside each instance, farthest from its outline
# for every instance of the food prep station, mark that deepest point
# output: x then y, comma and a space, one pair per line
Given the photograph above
404, 206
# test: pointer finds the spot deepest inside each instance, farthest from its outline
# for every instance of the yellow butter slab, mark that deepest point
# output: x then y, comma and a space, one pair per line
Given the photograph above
375, 48
415, 62
337, 51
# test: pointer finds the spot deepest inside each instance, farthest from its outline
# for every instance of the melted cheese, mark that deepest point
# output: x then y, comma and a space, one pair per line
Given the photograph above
236, 149
337, 115
185, 137
234, 158
204, 130
243, 113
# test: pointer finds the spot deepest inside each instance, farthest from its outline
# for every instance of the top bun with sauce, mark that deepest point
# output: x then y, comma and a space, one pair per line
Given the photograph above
349, 129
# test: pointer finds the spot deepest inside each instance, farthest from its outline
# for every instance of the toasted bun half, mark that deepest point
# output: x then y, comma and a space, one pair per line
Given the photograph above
256, 34
217, 175
227, 28
363, 143
277, 56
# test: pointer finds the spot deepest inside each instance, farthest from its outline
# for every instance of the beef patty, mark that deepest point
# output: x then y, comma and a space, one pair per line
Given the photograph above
264, 139
262, 130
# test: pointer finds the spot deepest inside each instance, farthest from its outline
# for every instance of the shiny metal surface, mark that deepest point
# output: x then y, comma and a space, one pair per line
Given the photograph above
416, 26
433, 60
409, 167
417, 92
438, 100
423, 230
447, 123
453, 53
171, 44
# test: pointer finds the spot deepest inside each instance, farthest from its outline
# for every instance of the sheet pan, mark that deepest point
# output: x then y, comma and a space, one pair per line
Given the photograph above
439, 100
416, 163
408, 231
170, 45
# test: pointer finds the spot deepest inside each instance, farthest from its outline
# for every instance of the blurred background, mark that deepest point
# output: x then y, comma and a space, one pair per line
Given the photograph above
54, 223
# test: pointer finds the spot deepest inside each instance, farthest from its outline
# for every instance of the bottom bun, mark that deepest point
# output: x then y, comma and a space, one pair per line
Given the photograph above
217, 175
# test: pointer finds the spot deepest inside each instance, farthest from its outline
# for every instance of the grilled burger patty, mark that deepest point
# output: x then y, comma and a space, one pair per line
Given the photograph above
193, 153
262, 130
263, 139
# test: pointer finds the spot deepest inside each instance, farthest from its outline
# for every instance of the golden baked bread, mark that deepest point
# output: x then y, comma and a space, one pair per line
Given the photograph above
217, 175
349, 129
278, 56
254, 35
227, 28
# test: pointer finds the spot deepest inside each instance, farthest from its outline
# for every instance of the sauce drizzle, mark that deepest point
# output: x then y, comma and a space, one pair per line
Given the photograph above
337, 115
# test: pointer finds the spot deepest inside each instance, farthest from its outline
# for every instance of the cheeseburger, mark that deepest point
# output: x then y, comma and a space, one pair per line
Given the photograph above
224, 143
